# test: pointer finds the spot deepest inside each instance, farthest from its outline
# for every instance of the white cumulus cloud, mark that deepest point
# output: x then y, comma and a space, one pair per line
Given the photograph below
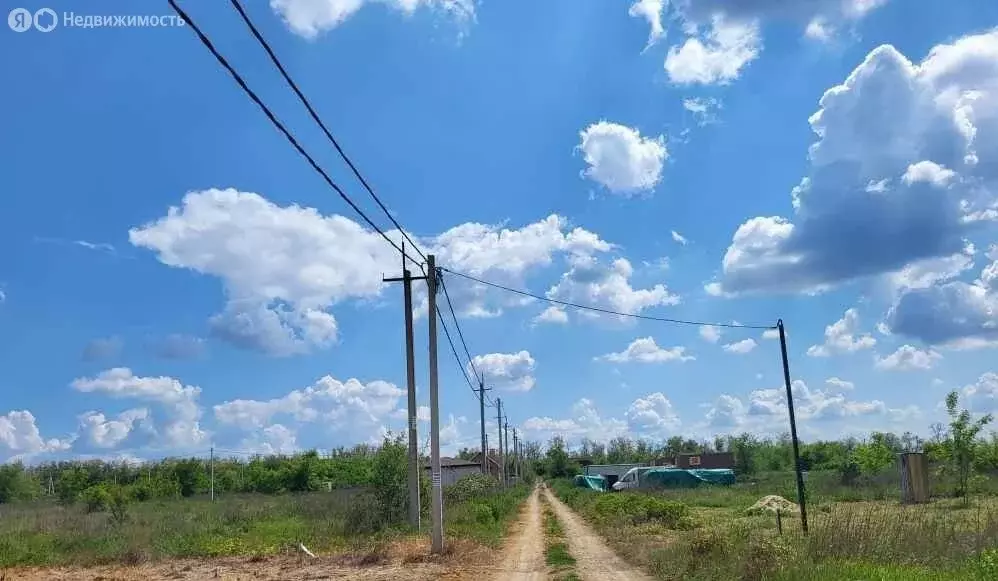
842, 337
176, 421
592, 283
620, 159
645, 350
907, 358
925, 133
717, 57
512, 371
741, 347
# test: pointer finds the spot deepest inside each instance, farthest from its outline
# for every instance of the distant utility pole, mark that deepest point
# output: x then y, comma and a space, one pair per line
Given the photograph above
410, 376
436, 494
516, 456
506, 443
502, 460
481, 410
211, 462
793, 427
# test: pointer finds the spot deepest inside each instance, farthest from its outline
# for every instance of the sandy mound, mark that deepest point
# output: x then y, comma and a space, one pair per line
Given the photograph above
773, 504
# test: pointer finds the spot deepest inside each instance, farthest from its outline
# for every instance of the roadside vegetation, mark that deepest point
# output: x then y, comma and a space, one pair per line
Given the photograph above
103, 513
858, 528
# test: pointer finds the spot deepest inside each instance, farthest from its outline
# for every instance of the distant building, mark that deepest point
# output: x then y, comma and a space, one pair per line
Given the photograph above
704, 460
493, 463
454, 469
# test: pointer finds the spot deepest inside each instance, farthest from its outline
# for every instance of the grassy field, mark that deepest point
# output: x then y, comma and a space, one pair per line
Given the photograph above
47, 533
705, 534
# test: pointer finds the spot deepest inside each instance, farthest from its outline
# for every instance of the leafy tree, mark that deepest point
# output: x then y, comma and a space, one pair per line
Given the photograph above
557, 458
960, 443
873, 457
390, 480
15, 483
188, 473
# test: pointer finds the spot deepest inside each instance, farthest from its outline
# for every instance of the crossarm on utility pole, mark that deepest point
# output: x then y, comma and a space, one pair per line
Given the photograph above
410, 372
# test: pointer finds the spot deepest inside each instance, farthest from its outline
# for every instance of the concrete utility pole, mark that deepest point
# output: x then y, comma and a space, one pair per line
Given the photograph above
502, 460
481, 409
436, 494
506, 443
516, 456
211, 461
410, 376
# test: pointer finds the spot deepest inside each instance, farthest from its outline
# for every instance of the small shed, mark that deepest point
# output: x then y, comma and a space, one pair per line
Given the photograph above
454, 469
914, 477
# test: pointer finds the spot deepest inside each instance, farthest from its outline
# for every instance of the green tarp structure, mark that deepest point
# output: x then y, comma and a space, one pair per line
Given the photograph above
592, 482
679, 478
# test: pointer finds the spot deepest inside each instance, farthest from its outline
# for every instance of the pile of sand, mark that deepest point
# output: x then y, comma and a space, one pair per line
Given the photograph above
772, 504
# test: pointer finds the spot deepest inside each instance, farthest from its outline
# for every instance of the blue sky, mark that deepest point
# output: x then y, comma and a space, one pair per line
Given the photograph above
178, 277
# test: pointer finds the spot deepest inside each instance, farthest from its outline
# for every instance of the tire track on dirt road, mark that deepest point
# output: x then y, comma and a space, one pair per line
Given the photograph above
594, 561
522, 559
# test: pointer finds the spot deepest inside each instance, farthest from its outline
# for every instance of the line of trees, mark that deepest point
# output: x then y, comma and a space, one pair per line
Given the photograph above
959, 452
69, 481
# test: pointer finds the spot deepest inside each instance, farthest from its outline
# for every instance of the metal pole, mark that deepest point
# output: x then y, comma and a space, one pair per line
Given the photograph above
410, 376
793, 428
212, 463
502, 464
436, 495
481, 411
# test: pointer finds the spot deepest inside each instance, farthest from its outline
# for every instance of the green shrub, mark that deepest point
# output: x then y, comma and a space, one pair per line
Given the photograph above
364, 516
118, 505
96, 498
988, 564
471, 486
637, 508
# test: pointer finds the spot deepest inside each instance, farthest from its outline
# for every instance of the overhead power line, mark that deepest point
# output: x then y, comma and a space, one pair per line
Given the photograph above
601, 310
315, 117
460, 335
457, 358
280, 126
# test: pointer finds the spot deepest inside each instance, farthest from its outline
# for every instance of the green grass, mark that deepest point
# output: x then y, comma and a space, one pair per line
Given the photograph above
484, 519
872, 572
49, 534
557, 555
40, 533
862, 540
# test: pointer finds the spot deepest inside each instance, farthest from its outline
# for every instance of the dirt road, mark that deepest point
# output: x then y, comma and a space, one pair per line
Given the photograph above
523, 557
594, 560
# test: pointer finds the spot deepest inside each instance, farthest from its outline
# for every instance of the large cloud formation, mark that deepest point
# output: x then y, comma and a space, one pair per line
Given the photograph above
285, 267
903, 170
722, 37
